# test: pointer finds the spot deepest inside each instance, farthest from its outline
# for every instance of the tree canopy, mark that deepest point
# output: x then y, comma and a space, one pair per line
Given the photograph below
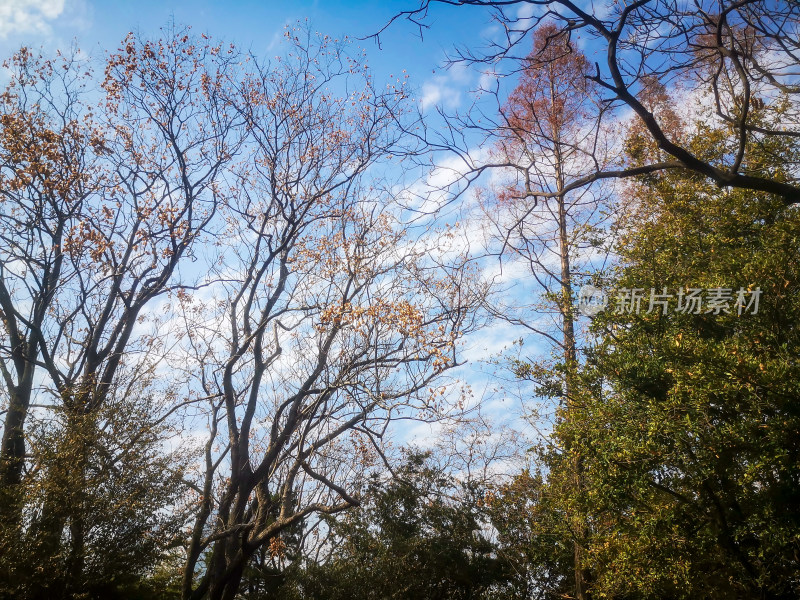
233, 353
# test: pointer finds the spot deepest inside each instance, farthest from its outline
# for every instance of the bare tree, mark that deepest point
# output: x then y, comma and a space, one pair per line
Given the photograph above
549, 129
330, 321
48, 171
741, 54
320, 321
100, 206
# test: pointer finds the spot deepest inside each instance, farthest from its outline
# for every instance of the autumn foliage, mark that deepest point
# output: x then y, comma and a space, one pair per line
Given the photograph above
195, 243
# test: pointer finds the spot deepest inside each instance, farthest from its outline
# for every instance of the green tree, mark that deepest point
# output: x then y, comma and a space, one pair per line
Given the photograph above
533, 539
689, 428
112, 495
422, 535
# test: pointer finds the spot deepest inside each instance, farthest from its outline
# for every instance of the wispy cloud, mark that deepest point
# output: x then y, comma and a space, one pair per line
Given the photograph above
446, 89
28, 16
439, 91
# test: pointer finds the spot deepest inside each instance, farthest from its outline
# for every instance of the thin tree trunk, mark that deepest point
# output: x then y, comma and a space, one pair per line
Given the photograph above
570, 365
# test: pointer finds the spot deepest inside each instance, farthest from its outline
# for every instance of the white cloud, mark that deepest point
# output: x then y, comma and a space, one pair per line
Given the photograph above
526, 11
600, 10
438, 92
447, 89
487, 81
527, 14
28, 16
279, 36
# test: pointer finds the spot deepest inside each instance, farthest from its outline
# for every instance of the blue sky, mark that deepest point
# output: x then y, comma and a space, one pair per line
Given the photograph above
99, 26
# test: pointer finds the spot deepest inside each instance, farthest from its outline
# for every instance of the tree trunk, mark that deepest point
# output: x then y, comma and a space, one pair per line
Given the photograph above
570, 364
12, 452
